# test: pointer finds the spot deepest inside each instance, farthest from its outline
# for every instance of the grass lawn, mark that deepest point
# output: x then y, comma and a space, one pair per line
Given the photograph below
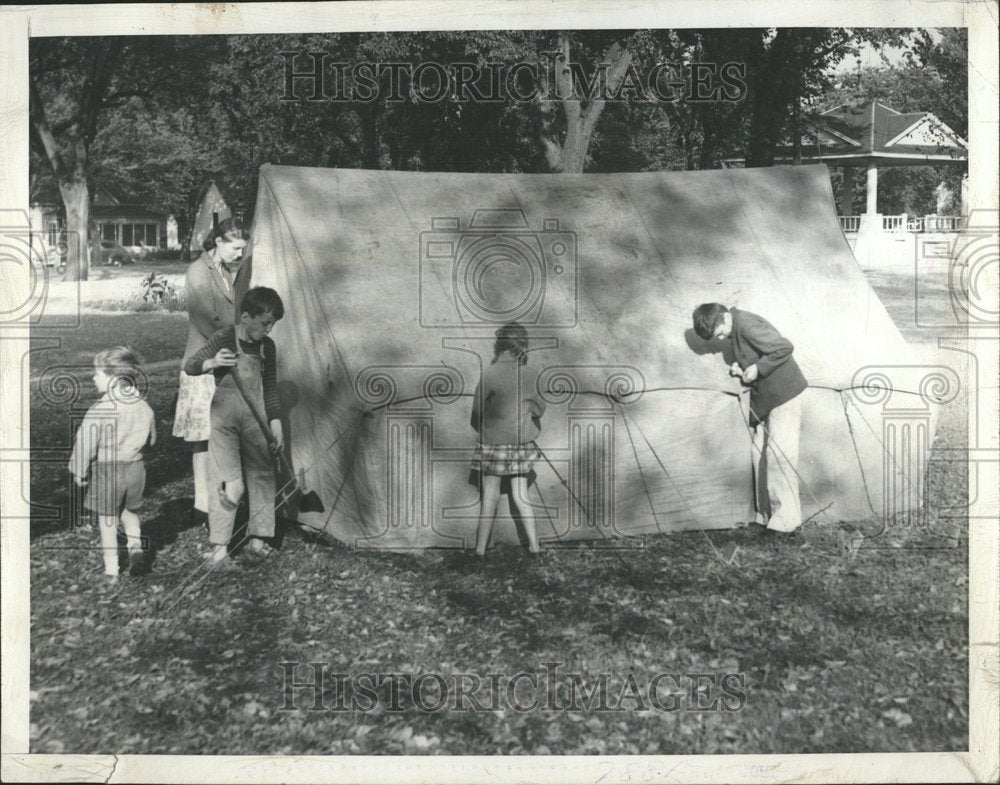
837, 648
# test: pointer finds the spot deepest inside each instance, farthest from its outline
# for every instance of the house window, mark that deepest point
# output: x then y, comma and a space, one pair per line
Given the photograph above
215, 220
151, 238
127, 237
53, 234
238, 215
107, 231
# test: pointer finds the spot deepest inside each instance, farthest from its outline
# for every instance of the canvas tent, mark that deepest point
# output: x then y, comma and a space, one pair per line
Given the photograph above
394, 283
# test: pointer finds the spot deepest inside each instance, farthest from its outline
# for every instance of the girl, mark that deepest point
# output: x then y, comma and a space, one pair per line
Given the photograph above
208, 287
506, 413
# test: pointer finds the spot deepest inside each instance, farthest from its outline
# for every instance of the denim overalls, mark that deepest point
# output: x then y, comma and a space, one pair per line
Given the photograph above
237, 447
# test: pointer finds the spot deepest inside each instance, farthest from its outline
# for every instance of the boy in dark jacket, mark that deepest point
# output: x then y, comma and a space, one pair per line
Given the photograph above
763, 360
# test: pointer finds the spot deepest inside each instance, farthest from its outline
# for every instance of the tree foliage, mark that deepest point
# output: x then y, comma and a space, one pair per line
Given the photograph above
931, 78
156, 117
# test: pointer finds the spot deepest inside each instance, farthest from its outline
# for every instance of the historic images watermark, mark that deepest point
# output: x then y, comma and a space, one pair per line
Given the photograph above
40, 256
318, 687
478, 273
495, 268
315, 76
906, 399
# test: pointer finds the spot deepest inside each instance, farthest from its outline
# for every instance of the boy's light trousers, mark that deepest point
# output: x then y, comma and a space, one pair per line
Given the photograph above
776, 455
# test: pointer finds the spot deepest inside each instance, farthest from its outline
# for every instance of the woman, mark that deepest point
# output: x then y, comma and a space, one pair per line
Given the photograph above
209, 288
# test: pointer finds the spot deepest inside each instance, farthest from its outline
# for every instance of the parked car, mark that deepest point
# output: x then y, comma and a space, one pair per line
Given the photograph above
111, 252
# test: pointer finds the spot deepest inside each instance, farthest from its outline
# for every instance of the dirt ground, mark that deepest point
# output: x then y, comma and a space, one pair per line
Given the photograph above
833, 645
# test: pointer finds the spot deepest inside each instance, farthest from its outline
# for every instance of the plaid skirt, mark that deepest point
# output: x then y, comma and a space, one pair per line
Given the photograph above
500, 460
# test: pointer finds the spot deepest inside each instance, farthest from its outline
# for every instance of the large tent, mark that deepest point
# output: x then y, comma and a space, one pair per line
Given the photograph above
394, 283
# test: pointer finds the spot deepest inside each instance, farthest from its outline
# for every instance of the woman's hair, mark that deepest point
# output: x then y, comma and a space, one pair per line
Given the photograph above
260, 299
513, 338
227, 231
121, 363
707, 317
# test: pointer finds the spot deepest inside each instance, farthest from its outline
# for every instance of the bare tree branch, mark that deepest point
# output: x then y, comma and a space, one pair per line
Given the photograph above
46, 138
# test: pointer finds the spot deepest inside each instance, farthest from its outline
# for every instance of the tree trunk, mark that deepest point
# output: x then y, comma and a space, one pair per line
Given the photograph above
706, 155
770, 98
796, 133
763, 129
76, 198
369, 135
571, 155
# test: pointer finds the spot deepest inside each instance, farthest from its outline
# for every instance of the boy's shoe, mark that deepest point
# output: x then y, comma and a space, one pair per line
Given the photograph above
218, 559
259, 549
138, 564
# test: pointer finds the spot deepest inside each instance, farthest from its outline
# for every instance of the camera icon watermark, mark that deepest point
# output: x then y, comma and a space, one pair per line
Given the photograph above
593, 399
409, 403
66, 393
963, 262
497, 269
423, 438
905, 400
31, 260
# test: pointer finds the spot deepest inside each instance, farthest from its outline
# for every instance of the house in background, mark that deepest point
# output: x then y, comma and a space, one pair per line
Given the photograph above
137, 227
213, 203
874, 136
46, 223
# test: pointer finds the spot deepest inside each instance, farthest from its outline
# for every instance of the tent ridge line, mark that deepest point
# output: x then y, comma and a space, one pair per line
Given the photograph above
623, 399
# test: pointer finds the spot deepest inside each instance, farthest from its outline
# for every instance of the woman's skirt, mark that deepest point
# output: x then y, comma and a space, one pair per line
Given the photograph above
501, 460
194, 402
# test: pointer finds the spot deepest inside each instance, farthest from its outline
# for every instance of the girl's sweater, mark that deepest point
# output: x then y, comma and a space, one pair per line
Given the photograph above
506, 407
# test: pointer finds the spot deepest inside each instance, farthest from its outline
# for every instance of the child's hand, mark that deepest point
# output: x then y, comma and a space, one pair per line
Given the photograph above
735, 370
750, 374
279, 437
225, 358
80, 481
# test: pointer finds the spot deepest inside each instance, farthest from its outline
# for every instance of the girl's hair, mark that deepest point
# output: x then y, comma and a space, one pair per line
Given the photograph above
226, 230
513, 338
121, 363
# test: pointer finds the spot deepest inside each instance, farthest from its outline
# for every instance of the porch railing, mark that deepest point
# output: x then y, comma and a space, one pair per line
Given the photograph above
904, 223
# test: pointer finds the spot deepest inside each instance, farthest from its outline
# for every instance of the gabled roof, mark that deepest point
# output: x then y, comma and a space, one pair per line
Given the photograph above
876, 132
225, 189
126, 212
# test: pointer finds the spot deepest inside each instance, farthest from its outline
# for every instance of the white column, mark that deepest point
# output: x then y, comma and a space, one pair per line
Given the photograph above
872, 188
869, 248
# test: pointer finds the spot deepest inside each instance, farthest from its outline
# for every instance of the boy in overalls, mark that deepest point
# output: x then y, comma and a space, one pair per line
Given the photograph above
238, 447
